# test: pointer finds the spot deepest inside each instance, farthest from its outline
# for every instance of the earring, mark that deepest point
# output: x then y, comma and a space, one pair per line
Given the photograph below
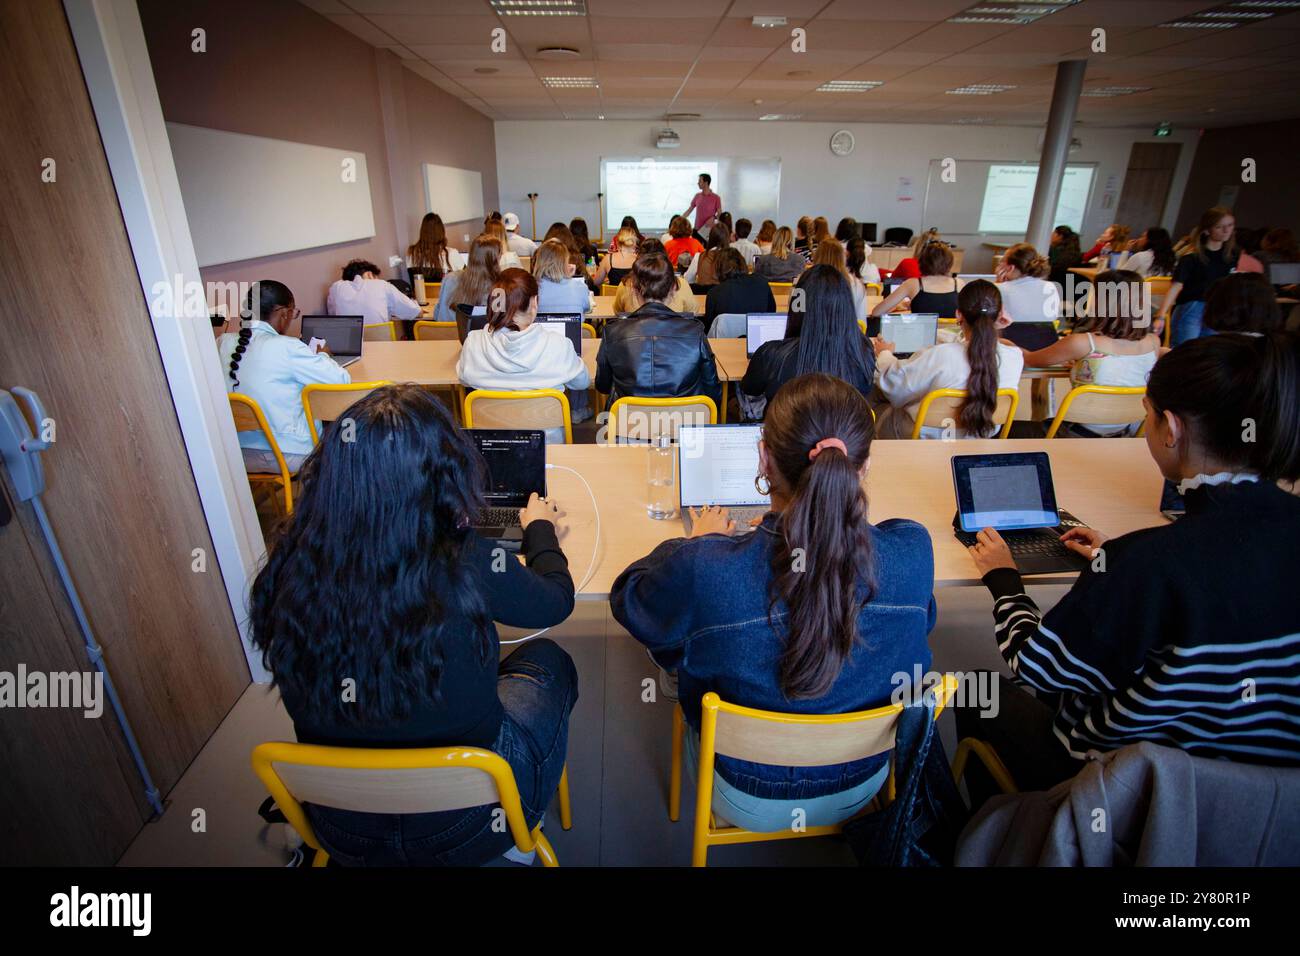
759, 488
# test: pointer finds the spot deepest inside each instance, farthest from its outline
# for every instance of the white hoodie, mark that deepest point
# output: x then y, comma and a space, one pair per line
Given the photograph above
533, 358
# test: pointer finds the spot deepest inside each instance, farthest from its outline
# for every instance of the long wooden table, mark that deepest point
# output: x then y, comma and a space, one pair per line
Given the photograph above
1111, 484
603, 307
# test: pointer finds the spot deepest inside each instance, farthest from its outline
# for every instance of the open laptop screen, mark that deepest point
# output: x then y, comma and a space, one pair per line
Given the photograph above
718, 465
763, 327
516, 464
342, 333
910, 332
1004, 492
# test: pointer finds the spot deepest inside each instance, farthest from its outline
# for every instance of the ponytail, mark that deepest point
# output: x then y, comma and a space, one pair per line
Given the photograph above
818, 433
1239, 394
980, 304
269, 295
1026, 259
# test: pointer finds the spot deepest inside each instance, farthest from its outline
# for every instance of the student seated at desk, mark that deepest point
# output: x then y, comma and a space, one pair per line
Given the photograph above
763, 240
822, 337
681, 242
825, 636
362, 292
656, 352
1063, 254
431, 253
1151, 254
1243, 302
1113, 346
1031, 302
560, 291
858, 254
469, 286
514, 354
934, 292
615, 266
980, 364
741, 242
626, 298
408, 614
266, 361
738, 292
783, 263
702, 273
831, 253
629, 222
496, 228
910, 268
1160, 636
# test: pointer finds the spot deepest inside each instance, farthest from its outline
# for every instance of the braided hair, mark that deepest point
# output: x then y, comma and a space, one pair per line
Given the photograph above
270, 296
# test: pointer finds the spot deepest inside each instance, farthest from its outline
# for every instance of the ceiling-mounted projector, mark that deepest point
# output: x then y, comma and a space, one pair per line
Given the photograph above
667, 139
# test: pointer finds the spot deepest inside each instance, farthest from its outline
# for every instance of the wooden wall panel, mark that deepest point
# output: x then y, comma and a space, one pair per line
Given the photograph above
76, 328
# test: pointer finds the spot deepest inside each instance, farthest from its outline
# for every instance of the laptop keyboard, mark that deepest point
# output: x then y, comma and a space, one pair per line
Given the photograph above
498, 518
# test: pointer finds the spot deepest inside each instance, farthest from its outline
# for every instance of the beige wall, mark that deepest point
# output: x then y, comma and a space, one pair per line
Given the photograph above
275, 68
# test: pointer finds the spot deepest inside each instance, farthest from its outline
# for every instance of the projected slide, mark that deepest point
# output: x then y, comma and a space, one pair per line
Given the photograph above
1009, 194
652, 190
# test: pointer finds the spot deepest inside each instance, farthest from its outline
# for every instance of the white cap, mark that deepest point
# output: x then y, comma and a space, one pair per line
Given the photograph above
510, 221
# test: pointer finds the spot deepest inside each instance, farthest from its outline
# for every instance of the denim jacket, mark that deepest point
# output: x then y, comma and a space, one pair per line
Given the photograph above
701, 605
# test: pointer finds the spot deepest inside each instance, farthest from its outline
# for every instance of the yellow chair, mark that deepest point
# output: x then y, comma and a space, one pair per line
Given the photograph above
987, 756
249, 417
781, 288
783, 740
653, 414
943, 403
536, 408
588, 330
419, 780
526, 263
607, 289
426, 331
879, 289
1101, 405
328, 402
379, 332
862, 324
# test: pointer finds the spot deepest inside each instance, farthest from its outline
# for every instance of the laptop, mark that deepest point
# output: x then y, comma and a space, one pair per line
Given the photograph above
717, 466
342, 335
1171, 502
909, 331
763, 327
1284, 273
516, 468
564, 324
465, 314
1013, 494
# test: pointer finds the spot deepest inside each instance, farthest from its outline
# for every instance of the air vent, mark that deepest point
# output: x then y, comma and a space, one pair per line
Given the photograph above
557, 53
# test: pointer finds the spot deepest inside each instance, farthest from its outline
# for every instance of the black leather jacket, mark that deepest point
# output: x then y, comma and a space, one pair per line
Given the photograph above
656, 353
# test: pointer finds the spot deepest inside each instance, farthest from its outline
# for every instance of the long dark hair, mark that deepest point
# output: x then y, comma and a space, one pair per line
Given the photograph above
270, 295
825, 586
1120, 309
1218, 384
980, 304
430, 250
830, 340
371, 564
1161, 246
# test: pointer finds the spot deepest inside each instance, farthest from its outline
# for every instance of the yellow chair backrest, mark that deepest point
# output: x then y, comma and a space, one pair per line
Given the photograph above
1100, 405
420, 780
645, 419
426, 331
526, 263
875, 288
538, 408
327, 402
943, 404
781, 288
249, 417
607, 289
379, 332
862, 324
588, 330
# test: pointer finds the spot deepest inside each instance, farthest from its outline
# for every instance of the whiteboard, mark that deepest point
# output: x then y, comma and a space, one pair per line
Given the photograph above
454, 194
985, 193
250, 196
653, 189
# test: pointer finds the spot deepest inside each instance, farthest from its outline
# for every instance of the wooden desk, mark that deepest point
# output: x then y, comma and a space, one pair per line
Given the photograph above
1109, 483
427, 363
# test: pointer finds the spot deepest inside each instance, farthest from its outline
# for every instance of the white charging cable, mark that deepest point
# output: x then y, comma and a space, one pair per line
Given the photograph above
595, 549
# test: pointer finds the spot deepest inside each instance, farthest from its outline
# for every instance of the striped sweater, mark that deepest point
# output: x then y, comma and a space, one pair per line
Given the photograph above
1187, 635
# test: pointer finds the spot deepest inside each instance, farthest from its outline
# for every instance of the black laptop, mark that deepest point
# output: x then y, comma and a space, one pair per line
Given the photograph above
516, 468
342, 335
1013, 494
567, 324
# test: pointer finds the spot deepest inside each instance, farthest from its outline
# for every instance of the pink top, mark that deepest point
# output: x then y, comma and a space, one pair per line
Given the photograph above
706, 207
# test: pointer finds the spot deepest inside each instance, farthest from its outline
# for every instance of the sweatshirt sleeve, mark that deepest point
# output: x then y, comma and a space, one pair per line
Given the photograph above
538, 593
652, 598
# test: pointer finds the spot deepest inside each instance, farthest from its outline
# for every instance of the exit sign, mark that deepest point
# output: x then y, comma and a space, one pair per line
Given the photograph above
1164, 129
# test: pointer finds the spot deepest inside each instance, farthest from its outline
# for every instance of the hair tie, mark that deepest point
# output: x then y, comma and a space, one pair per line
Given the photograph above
824, 444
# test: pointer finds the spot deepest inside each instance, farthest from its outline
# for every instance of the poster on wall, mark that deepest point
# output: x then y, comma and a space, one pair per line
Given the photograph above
906, 189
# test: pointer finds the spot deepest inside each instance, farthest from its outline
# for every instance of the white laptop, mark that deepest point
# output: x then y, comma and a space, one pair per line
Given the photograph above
909, 331
718, 465
763, 327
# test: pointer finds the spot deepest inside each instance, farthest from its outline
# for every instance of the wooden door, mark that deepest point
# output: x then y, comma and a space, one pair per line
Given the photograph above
119, 489
1146, 185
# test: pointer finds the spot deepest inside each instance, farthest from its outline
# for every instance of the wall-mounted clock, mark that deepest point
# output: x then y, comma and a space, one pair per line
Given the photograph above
842, 143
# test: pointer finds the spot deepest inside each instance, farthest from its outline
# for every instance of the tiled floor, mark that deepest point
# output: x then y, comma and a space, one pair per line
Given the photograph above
618, 763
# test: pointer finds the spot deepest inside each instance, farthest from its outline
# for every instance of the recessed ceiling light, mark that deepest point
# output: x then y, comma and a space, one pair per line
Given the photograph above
1018, 12
1101, 91
570, 82
486, 70
540, 8
780, 116
769, 22
980, 89
797, 73
557, 53
849, 86
1225, 16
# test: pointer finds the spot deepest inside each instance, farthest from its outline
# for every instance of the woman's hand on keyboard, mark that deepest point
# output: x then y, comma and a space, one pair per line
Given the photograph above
990, 552
711, 520
1084, 541
542, 509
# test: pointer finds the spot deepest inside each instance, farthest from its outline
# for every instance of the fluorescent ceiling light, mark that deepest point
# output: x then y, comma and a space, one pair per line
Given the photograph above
849, 86
540, 8
780, 116
1225, 16
1015, 12
570, 82
769, 22
1115, 90
980, 89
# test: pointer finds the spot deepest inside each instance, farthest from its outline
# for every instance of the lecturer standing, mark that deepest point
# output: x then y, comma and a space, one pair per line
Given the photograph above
707, 204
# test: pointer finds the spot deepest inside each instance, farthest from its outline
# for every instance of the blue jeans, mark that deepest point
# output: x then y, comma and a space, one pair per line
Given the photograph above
1188, 323
538, 686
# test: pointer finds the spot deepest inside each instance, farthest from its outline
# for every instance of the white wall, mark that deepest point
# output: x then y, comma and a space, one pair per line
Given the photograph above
561, 162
